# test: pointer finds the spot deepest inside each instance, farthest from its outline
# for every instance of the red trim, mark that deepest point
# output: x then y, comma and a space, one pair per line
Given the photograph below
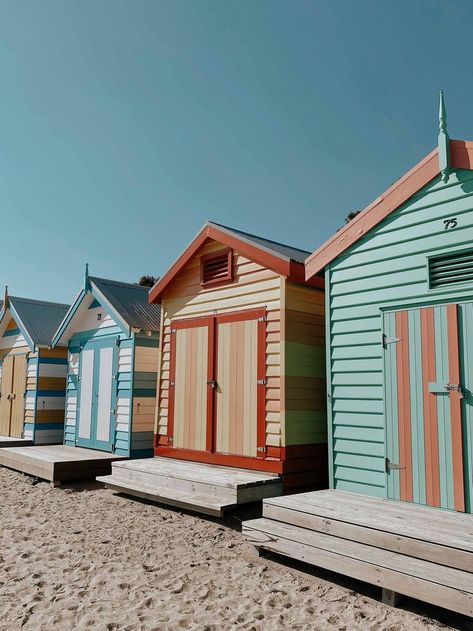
208, 232
211, 370
241, 316
171, 389
404, 406
461, 157
215, 255
461, 154
431, 440
455, 408
274, 466
261, 388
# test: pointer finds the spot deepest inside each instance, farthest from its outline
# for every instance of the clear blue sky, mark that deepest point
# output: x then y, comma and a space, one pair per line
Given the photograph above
125, 125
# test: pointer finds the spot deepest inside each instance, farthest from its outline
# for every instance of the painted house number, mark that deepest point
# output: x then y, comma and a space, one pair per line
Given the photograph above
450, 223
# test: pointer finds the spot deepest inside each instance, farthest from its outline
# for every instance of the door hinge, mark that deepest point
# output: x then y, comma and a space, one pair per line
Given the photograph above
389, 340
170, 440
261, 382
262, 319
261, 449
173, 330
392, 466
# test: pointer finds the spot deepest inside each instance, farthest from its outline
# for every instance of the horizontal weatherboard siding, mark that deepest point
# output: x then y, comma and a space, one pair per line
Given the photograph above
388, 268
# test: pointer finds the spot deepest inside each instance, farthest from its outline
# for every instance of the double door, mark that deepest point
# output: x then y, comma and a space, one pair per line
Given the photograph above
217, 384
97, 394
13, 391
428, 378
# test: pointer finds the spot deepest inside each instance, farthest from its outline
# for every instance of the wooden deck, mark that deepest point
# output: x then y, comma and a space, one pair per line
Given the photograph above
196, 486
10, 441
57, 463
404, 548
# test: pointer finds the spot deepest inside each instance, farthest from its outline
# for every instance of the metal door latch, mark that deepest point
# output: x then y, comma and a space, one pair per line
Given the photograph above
389, 340
212, 382
390, 466
455, 387
261, 382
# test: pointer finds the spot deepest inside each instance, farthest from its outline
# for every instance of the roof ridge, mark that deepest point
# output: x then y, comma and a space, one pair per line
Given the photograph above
119, 283
39, 302
256, 236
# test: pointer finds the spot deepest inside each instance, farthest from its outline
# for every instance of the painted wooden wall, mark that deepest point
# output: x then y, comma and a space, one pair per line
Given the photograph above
253, 286
136, 380
386, 268
45, 386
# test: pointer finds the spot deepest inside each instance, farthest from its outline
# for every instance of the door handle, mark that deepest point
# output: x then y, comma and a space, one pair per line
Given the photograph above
212, 382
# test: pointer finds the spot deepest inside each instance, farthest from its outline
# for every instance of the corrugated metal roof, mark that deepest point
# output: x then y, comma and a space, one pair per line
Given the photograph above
40, 319
131, 302
295, 254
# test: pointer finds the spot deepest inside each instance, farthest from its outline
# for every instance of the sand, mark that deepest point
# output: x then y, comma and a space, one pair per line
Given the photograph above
84, 558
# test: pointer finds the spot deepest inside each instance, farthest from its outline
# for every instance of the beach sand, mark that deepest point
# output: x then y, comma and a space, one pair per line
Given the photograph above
80, 557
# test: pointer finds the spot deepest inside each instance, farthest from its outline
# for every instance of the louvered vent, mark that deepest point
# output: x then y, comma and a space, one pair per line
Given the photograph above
216, 268
451, 269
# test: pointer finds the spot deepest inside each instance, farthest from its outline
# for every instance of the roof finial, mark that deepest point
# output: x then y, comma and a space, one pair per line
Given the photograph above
5, 298
443, 141
86, 277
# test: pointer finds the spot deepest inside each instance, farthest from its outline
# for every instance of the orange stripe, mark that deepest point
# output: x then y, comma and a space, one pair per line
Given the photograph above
455, 408
404, 406
431, 441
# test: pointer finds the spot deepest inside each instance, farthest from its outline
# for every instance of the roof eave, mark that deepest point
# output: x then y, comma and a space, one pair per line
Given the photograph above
279, 264
461, 157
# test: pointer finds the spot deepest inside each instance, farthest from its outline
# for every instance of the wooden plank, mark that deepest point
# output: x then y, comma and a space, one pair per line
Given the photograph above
385, 517
445, 587
396, 542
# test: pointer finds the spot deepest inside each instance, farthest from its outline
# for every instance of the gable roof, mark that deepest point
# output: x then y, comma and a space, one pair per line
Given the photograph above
283, 259
130, 301
461, 157
37, 319
126, 303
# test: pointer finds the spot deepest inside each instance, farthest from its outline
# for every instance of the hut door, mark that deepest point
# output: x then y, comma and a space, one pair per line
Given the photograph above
191, 384
96, 396
18, 396
6, 391
424, 406
236, 394
12, 401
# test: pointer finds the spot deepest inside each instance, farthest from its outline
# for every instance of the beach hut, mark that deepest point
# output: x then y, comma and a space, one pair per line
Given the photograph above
109, 342
112, 334
32, 375
399, 321
242, 376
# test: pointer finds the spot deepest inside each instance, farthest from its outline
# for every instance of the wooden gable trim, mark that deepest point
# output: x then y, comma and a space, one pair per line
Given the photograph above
278, 264
426, 170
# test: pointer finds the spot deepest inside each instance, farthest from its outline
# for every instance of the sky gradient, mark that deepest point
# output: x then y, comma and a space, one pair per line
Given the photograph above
125, 125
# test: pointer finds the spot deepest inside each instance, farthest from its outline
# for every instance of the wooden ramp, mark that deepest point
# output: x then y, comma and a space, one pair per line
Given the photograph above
404, 548
57, 463
11, 441
195, 486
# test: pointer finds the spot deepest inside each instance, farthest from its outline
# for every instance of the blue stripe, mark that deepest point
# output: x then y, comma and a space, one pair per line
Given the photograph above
32, 361
121, 452
40, 426
122, 436
52, 360
11, 332
152, 342
51, 393
28, 427
92, 334
144, 392
142, 453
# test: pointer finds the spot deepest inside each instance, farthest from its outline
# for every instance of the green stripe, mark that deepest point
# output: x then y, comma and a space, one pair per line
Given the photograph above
392, 416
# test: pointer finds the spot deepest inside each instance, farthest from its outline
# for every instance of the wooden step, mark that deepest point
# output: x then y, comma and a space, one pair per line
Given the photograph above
195, 485
436, 584
189, 501
426, 533
57, 463
10, 441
